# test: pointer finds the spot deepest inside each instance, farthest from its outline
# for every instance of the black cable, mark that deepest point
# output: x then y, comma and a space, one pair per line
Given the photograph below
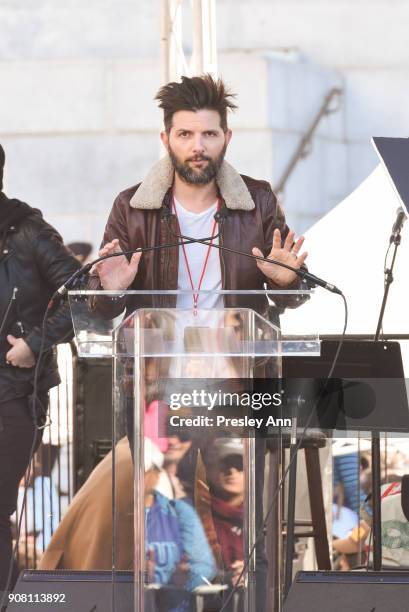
37, 427
281, 483
182, 240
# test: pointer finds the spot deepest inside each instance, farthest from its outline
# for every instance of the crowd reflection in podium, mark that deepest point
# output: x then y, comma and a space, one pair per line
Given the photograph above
193, 488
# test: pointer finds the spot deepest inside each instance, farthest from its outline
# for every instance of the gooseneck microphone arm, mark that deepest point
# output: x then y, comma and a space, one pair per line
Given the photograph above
165, 214
300, 272
184, 240
57, 295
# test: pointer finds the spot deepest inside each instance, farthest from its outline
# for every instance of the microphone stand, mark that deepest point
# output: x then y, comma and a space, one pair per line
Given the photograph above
395, 239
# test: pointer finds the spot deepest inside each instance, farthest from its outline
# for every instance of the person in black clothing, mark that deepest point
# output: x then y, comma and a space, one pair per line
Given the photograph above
33, 264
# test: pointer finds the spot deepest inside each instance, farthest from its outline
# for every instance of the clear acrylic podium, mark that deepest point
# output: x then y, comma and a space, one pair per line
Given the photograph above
189, 422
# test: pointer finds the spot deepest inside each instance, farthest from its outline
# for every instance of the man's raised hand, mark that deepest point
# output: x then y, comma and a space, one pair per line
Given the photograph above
116, 273
287, 254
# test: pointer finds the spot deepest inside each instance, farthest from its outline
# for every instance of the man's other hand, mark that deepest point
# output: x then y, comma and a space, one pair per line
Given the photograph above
20, 355
116, 273
287, 254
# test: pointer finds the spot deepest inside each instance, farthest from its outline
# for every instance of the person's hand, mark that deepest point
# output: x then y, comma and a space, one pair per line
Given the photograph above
236, 569
181, 572
150, 566
116, 273
20, 355
288, 254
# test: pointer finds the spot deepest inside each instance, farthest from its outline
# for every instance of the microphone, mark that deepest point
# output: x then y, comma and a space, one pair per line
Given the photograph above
61, 291
222, 214
165, 213
219, 215
315, 280
397, 226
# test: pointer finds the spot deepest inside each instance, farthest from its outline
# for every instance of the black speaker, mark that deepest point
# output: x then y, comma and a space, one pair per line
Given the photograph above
92, 415
72, 591
91, 591
358, 591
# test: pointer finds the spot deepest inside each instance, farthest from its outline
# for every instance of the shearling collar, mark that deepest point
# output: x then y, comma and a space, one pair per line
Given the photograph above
159, 179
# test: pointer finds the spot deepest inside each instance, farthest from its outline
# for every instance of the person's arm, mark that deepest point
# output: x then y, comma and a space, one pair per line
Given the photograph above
117, 273
280, 244
197, 554
55, 266
354, 541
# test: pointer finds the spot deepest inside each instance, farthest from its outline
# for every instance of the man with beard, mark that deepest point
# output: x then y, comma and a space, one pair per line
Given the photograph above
181, 195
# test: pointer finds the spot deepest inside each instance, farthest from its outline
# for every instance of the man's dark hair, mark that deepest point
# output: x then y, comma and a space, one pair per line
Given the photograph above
193, 94
2, 162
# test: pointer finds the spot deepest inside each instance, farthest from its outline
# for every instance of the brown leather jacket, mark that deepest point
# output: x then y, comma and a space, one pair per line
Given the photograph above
141, 216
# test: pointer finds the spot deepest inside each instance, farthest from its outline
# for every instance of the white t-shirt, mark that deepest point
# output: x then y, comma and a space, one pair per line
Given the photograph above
199, 225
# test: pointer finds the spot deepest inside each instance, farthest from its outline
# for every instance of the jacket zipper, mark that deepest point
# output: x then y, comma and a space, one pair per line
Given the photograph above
222, 263
171, 238
222, 267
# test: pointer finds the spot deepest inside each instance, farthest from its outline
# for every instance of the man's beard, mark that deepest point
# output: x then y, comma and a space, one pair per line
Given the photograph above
198, 176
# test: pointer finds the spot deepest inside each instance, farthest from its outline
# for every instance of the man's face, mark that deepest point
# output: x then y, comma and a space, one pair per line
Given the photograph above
196, 145
177, 448
227, 476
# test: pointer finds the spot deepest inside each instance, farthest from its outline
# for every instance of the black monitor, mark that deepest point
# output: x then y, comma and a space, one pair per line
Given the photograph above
394, 156
367, 391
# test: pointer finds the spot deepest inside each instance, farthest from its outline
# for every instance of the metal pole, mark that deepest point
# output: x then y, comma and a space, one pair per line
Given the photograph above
164, 41
174, 62
204, 58
290, 530
376, 443
274, 533
197, 62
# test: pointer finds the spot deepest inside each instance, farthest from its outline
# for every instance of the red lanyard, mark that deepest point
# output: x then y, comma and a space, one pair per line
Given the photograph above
196, 295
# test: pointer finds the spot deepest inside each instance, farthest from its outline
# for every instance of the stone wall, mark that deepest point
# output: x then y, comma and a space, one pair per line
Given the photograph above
78, 122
